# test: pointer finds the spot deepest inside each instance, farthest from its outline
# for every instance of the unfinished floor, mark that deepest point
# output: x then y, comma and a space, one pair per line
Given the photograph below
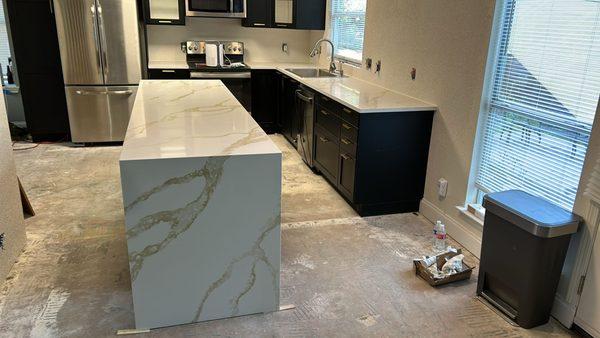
346, 275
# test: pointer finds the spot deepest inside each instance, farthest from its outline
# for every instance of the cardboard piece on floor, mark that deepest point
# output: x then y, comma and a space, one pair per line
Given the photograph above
27, 208
287, 307
125, 332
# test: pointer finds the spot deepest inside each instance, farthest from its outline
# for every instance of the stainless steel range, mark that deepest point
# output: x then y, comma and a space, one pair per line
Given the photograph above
231, 71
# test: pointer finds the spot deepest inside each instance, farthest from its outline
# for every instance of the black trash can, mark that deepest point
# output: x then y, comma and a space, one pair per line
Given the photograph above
525, 241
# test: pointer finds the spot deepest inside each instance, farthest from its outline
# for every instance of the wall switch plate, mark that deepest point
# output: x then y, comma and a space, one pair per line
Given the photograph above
284, 47
442, 187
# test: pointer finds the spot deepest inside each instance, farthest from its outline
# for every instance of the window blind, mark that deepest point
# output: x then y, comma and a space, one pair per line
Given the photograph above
348, 28
543, 99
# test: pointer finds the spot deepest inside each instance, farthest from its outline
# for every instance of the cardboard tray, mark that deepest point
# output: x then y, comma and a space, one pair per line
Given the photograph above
423, 272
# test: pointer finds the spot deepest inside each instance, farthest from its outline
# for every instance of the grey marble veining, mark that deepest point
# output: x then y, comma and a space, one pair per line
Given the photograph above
203, 225
190, 118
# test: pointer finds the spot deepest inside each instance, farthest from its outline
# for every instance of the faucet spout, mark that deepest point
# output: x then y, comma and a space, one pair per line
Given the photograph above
316, 50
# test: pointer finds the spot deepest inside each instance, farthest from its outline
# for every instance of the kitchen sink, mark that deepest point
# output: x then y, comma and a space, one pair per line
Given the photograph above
312, 72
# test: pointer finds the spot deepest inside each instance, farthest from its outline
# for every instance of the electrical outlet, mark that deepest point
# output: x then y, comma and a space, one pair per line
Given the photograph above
369, 63
284, 47
378, 66
442, 187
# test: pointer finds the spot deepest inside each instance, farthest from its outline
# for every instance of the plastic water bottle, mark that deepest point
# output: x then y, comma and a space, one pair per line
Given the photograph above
439, 237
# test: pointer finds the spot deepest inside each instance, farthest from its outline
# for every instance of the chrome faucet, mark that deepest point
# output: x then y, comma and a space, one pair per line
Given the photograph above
317, 50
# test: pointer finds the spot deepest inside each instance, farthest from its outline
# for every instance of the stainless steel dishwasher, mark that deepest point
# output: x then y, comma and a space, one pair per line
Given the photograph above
305, 114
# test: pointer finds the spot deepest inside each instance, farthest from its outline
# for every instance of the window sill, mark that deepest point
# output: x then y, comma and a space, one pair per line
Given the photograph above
463, 210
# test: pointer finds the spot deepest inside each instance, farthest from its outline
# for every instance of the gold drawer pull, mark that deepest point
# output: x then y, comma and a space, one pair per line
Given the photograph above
346, 142
347, 127
345, 157
325, 98
347, 110
324, 140
324, 112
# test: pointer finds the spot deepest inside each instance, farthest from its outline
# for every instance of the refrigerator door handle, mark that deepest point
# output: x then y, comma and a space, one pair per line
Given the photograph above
120, 92
96, 34
102, 40
89, 92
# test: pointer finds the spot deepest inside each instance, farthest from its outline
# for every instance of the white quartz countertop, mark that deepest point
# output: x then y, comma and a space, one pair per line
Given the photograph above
190, 118
362, 96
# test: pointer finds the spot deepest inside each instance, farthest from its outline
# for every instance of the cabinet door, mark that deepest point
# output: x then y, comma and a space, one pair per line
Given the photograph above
283, 13
289, 113
258, 13
326, 154
164, 12
263, 101
347, 171
309, 14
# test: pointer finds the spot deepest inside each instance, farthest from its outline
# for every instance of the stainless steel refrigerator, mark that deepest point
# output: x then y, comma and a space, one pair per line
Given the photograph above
101, 61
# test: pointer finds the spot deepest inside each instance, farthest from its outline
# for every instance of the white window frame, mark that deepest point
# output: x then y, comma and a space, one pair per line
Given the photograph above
474, 193
341, 57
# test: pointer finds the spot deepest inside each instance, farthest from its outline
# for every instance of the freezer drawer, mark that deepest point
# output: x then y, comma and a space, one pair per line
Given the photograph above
99, 114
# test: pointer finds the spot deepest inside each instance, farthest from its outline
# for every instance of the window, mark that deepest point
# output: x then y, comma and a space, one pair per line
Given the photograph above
4, 49
543, 97
348, 28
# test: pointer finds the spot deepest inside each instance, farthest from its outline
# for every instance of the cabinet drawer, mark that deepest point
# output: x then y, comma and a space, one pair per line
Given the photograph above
339, 109
348, 132
327, 153
348, 146
328, 120
349, 116
347, 175
168, 74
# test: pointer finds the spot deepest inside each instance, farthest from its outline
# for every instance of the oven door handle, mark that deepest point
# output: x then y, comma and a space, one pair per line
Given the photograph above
219, 75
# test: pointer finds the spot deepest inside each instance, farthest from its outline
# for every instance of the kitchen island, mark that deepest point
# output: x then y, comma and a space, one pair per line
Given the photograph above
201, 188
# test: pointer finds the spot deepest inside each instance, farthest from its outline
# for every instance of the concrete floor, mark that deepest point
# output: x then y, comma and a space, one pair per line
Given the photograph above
346, 275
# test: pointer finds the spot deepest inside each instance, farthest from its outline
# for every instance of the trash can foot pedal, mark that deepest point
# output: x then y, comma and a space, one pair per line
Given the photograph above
496, 311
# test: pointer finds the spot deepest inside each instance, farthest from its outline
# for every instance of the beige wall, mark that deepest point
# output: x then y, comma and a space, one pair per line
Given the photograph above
262, 44
447, 42
11, 212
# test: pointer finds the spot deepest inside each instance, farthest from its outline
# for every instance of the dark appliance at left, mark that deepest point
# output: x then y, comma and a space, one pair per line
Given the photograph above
38, 69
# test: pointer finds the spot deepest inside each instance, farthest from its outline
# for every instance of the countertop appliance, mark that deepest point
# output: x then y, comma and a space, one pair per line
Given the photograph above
216, 8
101, 62
305, 105
232, 71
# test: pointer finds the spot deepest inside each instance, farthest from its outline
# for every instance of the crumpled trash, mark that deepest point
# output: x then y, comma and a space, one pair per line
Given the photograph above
452, 266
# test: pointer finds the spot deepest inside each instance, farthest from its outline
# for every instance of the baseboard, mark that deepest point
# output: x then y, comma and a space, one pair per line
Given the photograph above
563, 311
587, 328
456, 229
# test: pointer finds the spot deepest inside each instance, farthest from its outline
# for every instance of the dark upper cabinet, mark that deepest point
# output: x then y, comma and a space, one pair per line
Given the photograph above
309, 14
283, 13
258, 13
164, 12
291, 14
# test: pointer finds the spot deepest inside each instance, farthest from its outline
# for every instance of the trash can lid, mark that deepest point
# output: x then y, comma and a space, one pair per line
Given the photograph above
531, 213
